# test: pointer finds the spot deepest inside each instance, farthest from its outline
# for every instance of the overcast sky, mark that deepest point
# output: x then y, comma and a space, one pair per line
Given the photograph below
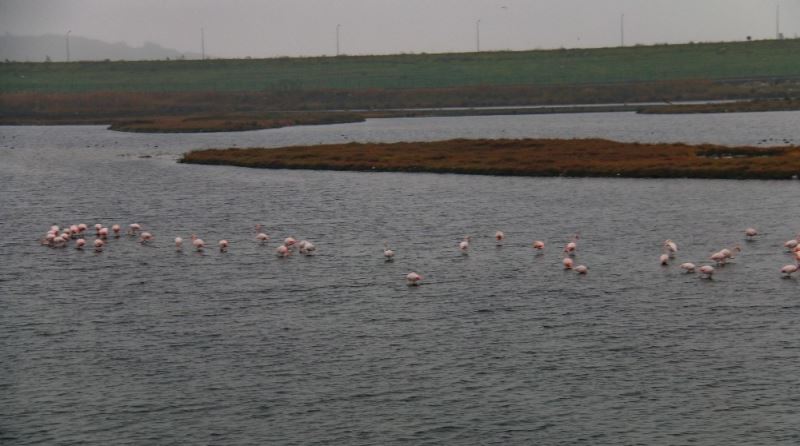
263, 28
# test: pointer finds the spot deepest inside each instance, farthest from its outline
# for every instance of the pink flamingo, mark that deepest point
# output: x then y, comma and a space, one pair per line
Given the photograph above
671, 246
49, 239
97, 228
581, 269
388, 254
688, 267
567, 262
664, 259
283, 251
98, 245
306, 247
198, 243
82, 227
59, 242
719, 258
728, 253
134, 228
261, 237
103, 233
289, 242
223, 246
750, 233
706, 271
145, 238
538, 245
788, 270
413, 279
499, 236
116, 228
178, 243
74, 230
570, 247
464, 244
793, 243
80, 243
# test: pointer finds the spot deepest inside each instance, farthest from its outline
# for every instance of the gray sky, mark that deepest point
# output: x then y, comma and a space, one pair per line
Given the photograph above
263, 28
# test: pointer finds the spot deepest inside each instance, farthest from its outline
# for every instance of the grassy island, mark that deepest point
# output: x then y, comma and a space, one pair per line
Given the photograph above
524, 157
198, 124
761, 105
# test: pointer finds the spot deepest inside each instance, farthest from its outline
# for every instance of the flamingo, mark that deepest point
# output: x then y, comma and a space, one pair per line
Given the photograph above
59, 241
688, 267
750, 233
74, 230
706, 271
49, 239
223, 246
98, 245
793, 243
282, 251
80, 243
581, 269
103, 233
464, 244
97, 228
788, 270
261, 237
664, 259
306, 247
729, 253
388, 254
289, 242
145, 238
134, 228
413, 279
567, 262
178, 243
671, 246
719, 258
570, 247
499, 236
198, 243
82, 227
538, 245
116, 228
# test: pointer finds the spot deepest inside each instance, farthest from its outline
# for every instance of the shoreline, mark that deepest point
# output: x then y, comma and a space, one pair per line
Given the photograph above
522, 157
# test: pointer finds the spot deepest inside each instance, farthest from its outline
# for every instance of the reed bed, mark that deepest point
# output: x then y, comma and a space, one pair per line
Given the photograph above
524, 157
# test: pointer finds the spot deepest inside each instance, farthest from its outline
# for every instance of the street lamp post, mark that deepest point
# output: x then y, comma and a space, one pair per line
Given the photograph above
67, 40
337, 38
478, 35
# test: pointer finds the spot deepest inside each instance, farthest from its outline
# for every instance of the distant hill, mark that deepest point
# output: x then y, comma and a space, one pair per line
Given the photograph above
40, 48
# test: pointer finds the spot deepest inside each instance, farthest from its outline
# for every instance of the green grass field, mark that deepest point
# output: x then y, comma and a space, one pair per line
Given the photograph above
711, 61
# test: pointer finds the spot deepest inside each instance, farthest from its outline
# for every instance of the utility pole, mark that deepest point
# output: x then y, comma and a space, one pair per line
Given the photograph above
202, 43
337, 38
622, 30
67, 39
478, 36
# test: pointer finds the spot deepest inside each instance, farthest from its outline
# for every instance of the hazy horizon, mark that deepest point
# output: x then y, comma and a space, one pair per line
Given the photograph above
249, 28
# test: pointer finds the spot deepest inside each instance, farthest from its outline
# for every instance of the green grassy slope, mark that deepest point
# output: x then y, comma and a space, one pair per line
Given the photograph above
552, 67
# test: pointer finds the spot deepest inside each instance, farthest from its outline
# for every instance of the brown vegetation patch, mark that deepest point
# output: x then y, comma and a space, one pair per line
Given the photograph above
526, 157
196, 124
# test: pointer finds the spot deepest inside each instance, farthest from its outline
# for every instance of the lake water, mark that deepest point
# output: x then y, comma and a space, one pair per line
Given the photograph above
146, 345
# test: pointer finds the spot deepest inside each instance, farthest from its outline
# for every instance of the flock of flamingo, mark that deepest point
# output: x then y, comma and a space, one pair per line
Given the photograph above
57, 237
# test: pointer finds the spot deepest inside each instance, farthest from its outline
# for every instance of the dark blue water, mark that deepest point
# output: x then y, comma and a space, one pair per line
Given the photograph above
145, 345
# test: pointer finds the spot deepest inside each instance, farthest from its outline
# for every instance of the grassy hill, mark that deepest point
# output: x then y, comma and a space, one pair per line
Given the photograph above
708, 61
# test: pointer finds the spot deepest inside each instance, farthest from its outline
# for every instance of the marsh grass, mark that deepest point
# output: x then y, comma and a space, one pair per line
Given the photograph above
523, 157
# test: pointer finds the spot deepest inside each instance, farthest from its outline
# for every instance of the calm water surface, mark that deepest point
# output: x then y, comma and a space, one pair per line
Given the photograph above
145, 345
